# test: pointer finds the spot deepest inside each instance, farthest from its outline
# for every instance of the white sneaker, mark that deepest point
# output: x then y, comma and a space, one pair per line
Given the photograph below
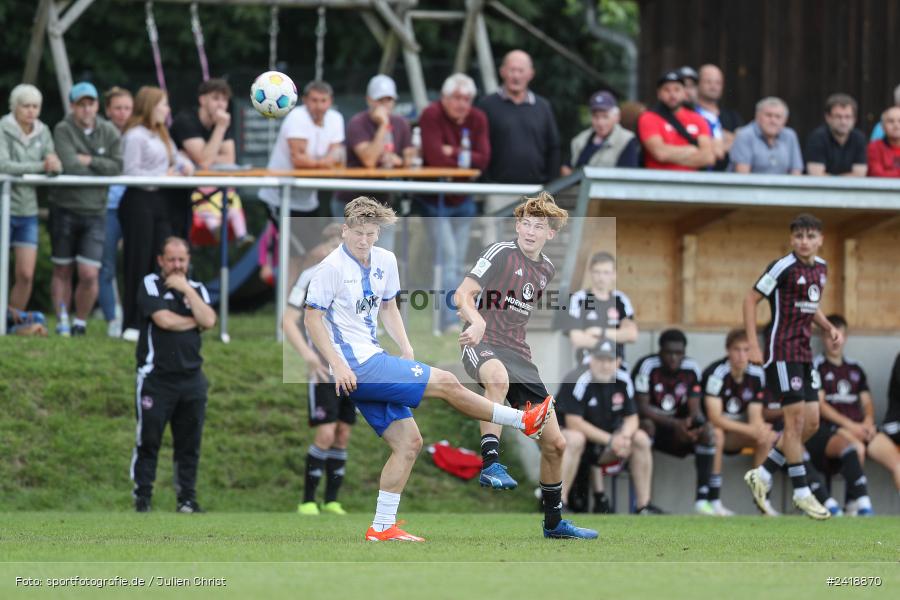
131, 335
812, 507
114, 328
768, 510
721, 510
704, 507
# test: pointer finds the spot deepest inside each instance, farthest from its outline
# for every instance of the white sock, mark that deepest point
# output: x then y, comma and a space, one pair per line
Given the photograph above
79, 323
864, 503
764, 475
507, 415
803, 492
831, 503
386, 510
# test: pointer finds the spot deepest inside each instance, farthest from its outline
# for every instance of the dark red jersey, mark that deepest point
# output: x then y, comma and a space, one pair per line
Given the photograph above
843, 385
736, 396
511, 285
794, 290
669, 391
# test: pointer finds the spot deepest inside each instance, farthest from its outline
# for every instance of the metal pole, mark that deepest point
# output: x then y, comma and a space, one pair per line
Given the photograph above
485, 58
577, 230
5, 199
284, 258
224, 284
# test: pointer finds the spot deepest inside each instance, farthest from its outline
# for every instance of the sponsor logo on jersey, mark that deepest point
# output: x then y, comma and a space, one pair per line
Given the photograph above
618, 399
481, 267
365, 305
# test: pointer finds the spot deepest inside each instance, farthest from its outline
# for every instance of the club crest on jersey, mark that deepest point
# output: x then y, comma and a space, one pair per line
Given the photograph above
528, 292
486, 353
796, 384
618, 399
543, 282
417, 370
733, 406
814, 293
668, 402
844, 388
365, 305
378, 274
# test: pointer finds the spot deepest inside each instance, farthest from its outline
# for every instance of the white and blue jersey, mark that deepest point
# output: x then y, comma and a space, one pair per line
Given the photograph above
351, 295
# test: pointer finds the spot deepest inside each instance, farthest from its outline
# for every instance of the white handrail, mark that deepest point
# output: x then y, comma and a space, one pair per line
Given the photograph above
285, 183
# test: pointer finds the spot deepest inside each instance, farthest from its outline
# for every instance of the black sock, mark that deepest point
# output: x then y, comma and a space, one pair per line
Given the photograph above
816, 483
334, 470
490, 450
797, 473
315, 463
552, 493
703, 461
853, 474
601, 502
774, 462
715, 486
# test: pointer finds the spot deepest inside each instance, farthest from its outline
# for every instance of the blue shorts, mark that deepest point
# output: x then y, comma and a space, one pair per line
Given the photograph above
387, 388
23, 232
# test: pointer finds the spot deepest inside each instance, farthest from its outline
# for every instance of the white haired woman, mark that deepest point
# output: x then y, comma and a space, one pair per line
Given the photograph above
26, 146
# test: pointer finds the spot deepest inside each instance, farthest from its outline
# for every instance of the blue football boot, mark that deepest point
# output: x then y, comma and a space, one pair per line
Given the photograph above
495, 476
566, 530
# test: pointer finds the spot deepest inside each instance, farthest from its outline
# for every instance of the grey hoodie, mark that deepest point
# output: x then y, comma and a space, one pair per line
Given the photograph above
21, 154
104, 148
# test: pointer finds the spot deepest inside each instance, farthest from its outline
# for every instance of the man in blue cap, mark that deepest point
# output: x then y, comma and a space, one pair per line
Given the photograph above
87, 145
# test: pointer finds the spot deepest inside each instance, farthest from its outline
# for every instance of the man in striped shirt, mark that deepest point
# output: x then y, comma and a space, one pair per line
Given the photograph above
793, 286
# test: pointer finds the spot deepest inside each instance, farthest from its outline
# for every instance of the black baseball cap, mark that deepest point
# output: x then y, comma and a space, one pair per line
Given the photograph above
604, 349
669, 77
602, 101
687, 72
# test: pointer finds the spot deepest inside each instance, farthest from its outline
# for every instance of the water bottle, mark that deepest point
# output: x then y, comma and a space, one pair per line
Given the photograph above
387, 155
417, 146
62, 327
464, 160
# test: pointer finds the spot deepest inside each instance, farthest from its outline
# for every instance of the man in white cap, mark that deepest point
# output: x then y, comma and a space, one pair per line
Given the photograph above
376, 138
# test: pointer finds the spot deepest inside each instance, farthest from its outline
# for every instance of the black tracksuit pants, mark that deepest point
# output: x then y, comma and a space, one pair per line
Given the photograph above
181, 401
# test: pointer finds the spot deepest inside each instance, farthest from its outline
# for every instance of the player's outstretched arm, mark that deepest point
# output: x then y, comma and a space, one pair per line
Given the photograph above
465, 300
393, 324
344, 378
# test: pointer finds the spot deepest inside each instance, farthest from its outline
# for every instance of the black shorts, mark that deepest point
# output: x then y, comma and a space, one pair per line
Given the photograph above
666, 441
891, 429
76, 238
326, 407
525, 383
793, 382
819, 441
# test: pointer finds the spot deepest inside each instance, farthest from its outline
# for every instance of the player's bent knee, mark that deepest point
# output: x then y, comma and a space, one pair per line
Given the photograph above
575, 440
641, 440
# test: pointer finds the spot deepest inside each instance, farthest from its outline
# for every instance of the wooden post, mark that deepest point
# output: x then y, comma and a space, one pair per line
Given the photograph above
688, 278
36, 46
851, 306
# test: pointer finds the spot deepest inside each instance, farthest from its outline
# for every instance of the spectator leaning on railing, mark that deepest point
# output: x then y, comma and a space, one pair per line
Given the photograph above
837, 147
605, 143
26, 147
878, 130
722, 121
766, 145
447, 126
147, 151
87, 145
118, 107
674, 137
884, 154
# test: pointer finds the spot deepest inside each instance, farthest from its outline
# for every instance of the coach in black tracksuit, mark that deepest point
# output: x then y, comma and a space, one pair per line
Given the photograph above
171, 386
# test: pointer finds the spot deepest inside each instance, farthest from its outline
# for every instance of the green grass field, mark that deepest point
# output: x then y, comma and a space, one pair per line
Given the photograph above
466, 556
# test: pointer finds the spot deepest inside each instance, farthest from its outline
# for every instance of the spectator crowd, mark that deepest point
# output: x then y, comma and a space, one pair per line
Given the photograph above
667, 401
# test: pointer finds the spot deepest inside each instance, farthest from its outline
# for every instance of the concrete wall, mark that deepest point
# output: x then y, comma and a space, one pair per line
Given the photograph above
673, 479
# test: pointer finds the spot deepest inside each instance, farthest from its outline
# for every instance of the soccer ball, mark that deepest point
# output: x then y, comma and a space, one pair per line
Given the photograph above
273, 94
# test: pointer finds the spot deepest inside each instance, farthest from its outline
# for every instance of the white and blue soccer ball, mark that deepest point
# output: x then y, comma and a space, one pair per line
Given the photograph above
273, 94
